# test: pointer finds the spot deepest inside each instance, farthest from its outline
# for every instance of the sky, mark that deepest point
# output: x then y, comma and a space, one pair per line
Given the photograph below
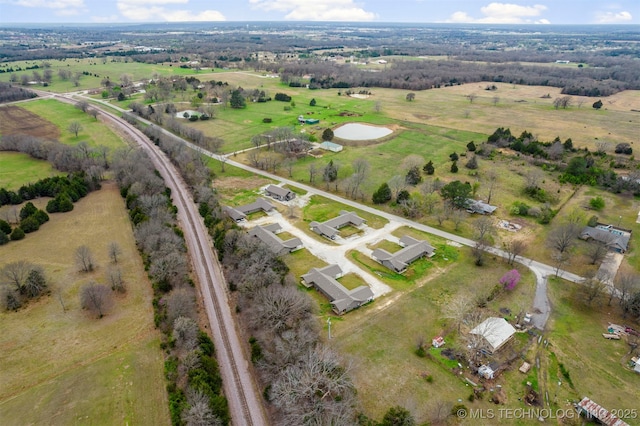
414, 11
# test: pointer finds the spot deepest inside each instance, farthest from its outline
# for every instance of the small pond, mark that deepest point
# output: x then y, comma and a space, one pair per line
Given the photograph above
361, 132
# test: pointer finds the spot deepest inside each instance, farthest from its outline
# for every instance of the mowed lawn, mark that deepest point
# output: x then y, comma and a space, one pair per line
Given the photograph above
93, 132
17, 169
63, 366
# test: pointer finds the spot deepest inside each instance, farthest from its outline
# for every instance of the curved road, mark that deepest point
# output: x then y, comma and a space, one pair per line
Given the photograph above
245, 402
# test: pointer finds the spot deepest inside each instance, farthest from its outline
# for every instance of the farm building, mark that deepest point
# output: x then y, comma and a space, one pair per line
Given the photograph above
330, 228
437, 341
330, 146
240, 213
279, 193
591, 410
311, 121
400, 260
267, 234
341, 299
616, 239
495, 333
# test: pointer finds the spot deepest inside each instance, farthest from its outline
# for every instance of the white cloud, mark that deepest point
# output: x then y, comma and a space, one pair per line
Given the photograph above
503, 13
47, 4
155, 10
613, 17
320, 10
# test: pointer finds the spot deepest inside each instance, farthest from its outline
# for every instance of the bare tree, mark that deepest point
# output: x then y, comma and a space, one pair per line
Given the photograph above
84, 259
15, 274
360, 174
397, 183
560, 259
281, 307
514, 248
114, 251
597, 251
313, 172
199, 412
75, 127
93, 113
96, 298
185, 331
114, 278
377, 107
472, 97
35, 283
411, 161
430, 201
626, 284
180, 302
411, 96
457, 217
483, 227
83, 106
492, 182
563, 237
495, 100
478, 251
533, 178
592, 288
457, 309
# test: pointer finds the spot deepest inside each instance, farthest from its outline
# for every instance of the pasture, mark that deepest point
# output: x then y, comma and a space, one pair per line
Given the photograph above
60, 364
17, 169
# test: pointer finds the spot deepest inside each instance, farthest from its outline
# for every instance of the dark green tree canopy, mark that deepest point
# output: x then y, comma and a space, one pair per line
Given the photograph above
382, 194
456, 193
428, 168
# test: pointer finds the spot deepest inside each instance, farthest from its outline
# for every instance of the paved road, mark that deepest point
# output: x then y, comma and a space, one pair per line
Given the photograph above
245, 403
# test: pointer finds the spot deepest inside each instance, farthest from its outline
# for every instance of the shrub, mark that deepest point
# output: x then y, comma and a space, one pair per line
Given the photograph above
267, 120
29, 224
597, 203
17, 234
5, 227
4, 238
283, 97
593, 221
624, 148
454, 167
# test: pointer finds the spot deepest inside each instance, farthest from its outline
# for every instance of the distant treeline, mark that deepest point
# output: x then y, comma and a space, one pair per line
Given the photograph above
11, 93
421, 75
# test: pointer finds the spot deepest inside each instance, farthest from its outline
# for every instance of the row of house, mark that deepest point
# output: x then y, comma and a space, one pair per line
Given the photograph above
325, 280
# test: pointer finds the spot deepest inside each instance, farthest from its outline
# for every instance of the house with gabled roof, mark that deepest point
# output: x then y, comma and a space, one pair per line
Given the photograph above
480, 207
341, 299
399, 261
615, 238
280, 193
267, 234
330, 228
240, 213
495, 333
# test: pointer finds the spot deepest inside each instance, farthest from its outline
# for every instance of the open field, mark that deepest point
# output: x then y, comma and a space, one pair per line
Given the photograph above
94, 132
63, 366
597, 366
17, 169
380, 342
17, 120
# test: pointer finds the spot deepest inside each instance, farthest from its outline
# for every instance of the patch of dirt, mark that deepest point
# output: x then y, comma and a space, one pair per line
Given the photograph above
18, 121
349, 114
422, 116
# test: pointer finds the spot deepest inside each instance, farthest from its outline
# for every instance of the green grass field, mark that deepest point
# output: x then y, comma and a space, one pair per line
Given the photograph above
63, 366
94, 132
17, 169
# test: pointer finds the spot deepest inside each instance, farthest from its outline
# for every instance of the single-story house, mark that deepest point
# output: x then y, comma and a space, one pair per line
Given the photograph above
496, 332
331, 146
593, 410
267, 234
480, 207
400, 260
341, 299
330, 228
240, 213
616, 239
488, 371
279, 193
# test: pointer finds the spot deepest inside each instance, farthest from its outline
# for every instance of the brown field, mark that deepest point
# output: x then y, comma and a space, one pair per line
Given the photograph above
15, 120
63, 366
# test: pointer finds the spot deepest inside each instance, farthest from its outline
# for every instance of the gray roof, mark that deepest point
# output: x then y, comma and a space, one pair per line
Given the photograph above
281, 192
611, 236
341, 299
259, 204
481, 207
275, 244
330, 227
235, 214
398, 261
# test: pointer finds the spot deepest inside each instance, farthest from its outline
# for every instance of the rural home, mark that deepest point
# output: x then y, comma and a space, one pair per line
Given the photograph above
267, 234
330, 146
480, 207
400, 260
495, 332
591, 410
616, 239
330, 228
279, 193
437, 341
240, 213
341, 299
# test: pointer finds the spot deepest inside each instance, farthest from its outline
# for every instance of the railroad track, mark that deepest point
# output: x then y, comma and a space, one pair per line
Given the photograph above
244, 403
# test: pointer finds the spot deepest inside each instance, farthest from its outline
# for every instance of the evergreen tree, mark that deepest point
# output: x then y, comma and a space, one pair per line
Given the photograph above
471, 146
428, 168
313, 102
327, 135
403, 196
382, 195
454, 167
413, 176
237, 101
